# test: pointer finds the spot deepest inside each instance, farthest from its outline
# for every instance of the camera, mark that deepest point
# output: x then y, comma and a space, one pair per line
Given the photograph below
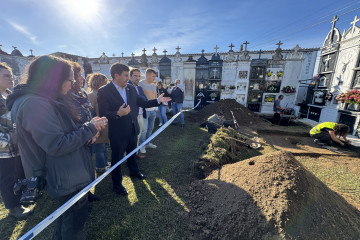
29, 190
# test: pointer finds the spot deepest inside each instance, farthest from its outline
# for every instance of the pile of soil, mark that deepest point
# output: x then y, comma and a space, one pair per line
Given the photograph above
223, 148
269, 197
243, 115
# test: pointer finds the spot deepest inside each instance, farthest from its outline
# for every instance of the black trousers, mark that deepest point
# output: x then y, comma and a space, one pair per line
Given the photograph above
324, 137
118, 148
70, 225
10, 171
276, 118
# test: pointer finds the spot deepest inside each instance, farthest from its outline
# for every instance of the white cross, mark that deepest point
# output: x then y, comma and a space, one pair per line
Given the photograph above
356, 19
216, 48
327, 62
215, 70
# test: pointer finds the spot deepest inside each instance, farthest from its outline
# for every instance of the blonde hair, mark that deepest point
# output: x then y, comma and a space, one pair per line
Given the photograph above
97, 80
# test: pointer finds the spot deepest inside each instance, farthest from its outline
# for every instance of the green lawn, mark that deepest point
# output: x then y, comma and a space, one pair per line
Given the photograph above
154, 208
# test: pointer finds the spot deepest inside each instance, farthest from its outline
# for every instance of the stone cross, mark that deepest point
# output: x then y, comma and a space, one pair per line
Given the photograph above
132, 55
178, 48
246, 43
113, 54
164, 52
122, 54
154, 50
144, 50
327, 62
356, 19
296, 48
215, 71
259, 52
335, 19
279, 44
31, 51
231, 46
216, 48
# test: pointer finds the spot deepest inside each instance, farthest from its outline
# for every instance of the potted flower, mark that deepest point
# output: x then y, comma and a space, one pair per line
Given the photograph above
353, 97
288, 89
232, 87
280, 73
269, 73
222, 87
341, 99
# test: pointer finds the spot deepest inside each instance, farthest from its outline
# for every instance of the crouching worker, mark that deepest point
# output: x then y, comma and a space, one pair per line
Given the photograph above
216, 121
49, 142
329, 133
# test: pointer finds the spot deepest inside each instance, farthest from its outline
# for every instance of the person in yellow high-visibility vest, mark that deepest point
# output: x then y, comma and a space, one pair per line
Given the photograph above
330, 133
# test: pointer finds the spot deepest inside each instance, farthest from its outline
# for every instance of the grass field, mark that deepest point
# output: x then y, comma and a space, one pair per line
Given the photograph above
154, 208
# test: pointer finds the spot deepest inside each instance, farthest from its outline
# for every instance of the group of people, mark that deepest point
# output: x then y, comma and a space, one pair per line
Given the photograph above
57, 127
50, 127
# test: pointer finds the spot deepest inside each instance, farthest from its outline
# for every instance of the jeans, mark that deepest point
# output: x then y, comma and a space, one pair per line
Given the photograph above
148, 126
177, 108
101, 154
162, 114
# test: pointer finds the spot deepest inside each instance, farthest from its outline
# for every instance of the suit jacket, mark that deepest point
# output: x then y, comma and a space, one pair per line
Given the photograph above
141, 93
110, 100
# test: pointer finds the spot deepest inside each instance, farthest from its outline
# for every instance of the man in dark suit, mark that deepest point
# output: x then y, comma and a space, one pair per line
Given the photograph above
120, 103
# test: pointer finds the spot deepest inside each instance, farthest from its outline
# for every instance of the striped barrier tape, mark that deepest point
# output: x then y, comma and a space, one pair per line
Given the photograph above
57, 213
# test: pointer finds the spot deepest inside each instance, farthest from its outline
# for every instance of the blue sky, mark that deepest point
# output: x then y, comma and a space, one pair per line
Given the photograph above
90, 27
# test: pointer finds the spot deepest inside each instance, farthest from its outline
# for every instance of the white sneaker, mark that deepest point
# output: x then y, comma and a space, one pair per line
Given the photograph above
142, 150
160, 124
150, 145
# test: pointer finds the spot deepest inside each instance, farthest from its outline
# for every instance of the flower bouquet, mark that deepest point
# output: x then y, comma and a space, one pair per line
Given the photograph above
352, 96
340, 98
280, 73
269, 73
288, 89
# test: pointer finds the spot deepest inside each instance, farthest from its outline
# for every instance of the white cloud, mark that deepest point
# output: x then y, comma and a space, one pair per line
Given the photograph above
24, 31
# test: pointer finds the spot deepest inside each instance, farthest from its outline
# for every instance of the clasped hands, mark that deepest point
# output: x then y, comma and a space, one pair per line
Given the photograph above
99, 124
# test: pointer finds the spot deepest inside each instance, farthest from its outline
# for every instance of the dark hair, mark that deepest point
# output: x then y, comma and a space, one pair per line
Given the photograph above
3, 65
281, 97
133, 70
46, 74
150, 70
97, 80
341, 130
160, 83
118, 68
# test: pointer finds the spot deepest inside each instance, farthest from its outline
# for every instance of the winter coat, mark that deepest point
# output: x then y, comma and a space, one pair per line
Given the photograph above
177, 95
50, 144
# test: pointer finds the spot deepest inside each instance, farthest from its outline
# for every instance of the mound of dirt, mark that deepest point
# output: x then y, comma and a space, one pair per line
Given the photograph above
223, 148
243, 115
269, 197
